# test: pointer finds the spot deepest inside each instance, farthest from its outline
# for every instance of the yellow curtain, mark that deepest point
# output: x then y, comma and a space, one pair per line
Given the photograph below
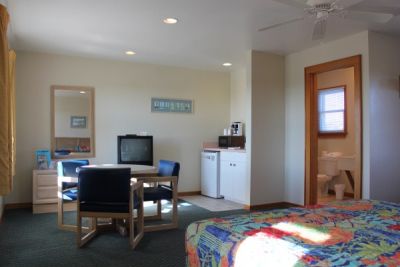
11, 77
6, 114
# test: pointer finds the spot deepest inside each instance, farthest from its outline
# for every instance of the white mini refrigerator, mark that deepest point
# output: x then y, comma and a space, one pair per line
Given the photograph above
210, 182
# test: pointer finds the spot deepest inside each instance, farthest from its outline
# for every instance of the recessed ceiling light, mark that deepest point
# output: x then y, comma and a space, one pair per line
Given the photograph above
170, 20
131, 53
227, 64
82, 92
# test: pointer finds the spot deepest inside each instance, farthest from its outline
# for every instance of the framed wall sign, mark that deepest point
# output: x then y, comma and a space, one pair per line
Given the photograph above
78, 121
42, 158
171, 105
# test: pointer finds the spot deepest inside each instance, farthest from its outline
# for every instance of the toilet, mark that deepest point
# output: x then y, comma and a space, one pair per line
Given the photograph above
327, 169
323, 180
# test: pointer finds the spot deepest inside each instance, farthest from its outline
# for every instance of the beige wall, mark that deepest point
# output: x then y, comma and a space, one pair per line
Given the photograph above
257, 98
295, 107
238, 95
268, 128
345, 144
240, 103
64, 108
385, 116
122, 105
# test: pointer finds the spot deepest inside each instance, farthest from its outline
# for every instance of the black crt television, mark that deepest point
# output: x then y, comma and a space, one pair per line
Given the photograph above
135, 149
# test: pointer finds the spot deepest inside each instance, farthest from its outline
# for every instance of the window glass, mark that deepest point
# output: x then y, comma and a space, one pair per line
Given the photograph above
331, 110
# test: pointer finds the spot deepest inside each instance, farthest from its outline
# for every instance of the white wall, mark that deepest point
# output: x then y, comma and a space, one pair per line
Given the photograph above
268, 128
122, 105
385, 113
295, 108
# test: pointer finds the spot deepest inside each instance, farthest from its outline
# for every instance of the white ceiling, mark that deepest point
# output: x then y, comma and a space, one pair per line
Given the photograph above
209, 32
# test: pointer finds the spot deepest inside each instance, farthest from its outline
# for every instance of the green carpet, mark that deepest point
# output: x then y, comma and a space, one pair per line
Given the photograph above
28, 239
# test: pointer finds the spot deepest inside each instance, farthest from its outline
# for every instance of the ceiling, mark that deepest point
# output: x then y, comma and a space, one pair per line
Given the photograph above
209, 32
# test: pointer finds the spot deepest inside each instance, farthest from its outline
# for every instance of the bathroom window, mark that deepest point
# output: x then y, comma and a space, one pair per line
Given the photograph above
332, 111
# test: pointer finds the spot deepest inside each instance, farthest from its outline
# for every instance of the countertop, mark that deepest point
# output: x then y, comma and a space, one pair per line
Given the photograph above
220, 149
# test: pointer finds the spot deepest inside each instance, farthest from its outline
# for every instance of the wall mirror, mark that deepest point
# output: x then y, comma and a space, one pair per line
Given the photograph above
72, 123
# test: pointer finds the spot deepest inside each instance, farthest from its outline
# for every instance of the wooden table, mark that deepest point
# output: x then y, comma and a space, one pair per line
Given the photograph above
135, 169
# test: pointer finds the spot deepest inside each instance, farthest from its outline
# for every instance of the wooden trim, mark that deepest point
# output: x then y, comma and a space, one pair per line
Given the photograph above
88, 89
332, 135
13, 206
276, 205
189, 193
311, 148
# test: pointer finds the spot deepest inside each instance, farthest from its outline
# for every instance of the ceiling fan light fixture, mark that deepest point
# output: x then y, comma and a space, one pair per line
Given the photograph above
170, 20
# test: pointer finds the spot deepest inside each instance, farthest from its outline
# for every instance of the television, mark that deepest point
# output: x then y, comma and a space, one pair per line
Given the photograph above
135, 149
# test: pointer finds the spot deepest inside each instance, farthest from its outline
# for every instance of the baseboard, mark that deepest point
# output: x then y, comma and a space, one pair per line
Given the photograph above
52, 207
276, 205
189, 193
1, 215
346, 194
12, 206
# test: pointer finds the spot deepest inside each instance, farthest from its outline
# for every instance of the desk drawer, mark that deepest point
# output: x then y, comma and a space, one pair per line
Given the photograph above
47, 180
47, 192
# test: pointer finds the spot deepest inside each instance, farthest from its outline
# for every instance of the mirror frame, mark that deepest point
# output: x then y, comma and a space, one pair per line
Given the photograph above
92, 152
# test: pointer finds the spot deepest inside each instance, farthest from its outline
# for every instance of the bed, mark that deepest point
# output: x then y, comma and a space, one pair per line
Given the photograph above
346, 233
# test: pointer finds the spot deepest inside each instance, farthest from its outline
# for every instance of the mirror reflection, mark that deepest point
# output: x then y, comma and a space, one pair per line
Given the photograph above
73, 122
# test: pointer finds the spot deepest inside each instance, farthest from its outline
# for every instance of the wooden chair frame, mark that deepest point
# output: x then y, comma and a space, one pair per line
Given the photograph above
154, 180
60, 202
136, 186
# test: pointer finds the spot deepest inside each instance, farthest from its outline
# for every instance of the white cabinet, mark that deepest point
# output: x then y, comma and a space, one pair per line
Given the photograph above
44, 190
234, 181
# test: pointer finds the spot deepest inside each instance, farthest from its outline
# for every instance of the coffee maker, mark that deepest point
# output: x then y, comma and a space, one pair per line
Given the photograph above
237, 128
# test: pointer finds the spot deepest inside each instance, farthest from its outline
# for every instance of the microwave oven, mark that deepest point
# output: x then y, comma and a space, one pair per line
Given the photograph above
226, 141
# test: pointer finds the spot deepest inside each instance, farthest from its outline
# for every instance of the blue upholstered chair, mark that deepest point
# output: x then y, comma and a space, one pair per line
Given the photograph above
109, 193
165, 187
67, 171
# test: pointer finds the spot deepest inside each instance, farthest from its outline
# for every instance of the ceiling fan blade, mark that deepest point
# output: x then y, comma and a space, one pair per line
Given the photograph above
347, 3
376, 9
319, 29
294, 3
280, 24
369, 17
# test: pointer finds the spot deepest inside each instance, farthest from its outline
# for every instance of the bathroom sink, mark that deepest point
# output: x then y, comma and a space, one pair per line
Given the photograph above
346, 163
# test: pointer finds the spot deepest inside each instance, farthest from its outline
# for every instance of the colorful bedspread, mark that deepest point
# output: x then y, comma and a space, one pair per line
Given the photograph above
348, 233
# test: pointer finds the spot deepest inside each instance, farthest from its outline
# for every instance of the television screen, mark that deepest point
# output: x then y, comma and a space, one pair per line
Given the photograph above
135, 150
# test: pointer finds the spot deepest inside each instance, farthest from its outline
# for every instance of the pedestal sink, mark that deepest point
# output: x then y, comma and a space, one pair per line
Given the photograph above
346, 163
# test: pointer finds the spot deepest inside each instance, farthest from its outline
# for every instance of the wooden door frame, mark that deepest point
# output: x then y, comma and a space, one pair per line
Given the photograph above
311, 148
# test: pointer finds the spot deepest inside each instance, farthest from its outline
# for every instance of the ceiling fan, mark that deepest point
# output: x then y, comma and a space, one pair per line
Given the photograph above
321, 10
